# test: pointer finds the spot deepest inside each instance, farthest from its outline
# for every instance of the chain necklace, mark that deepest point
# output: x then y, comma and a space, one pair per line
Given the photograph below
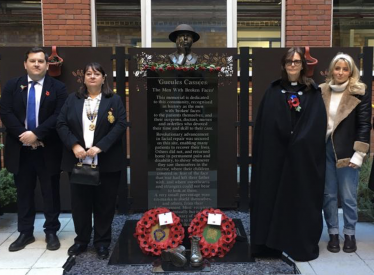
91, 115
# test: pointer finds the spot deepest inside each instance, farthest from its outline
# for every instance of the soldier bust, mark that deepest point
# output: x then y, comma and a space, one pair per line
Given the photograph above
183, 36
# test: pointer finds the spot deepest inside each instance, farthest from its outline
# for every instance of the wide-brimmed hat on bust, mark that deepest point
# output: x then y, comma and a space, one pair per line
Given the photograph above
183, 28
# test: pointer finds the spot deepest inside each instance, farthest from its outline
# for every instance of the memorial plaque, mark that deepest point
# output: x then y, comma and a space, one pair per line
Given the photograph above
223, 110
182, 141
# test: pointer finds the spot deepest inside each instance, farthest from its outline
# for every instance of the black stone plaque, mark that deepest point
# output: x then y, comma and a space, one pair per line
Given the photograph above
182, 141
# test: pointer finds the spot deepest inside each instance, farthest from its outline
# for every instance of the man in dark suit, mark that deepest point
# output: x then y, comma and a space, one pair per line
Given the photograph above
29, 107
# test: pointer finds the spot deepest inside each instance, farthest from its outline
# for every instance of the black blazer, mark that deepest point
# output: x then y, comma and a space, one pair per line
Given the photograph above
13, 104
107, 136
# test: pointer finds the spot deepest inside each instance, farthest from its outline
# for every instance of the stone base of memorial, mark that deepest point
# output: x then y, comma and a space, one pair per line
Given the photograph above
128, 252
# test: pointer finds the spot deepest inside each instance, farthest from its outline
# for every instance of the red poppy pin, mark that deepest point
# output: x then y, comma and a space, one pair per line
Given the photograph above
294, 102
47, 93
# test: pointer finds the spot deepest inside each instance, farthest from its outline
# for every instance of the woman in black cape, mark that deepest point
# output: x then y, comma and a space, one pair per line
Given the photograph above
288, 170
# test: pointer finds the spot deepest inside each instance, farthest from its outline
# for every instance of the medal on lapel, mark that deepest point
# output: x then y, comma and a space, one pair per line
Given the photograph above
111, 117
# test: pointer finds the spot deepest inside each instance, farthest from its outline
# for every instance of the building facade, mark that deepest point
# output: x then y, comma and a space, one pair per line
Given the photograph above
221, 23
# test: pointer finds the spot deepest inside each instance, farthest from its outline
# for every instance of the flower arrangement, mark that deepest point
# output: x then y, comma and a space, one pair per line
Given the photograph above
214, 240
174, 67
152, 238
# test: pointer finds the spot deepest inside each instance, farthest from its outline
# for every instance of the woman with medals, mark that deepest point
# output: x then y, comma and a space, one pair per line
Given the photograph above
288, 168
91, 124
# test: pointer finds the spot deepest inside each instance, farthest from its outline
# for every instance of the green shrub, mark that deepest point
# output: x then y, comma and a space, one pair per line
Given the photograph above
8, 191
365, 197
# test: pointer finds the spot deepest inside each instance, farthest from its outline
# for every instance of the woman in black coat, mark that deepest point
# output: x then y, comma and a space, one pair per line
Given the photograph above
288, 168
91, 124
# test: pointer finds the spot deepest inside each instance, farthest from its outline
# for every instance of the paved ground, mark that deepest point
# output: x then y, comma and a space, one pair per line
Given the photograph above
359, 263
36, 260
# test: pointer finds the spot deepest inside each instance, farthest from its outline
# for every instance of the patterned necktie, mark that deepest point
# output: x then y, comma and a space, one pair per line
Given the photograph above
31, 114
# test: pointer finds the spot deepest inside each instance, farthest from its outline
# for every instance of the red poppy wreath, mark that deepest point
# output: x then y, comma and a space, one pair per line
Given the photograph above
153, 238
214, 240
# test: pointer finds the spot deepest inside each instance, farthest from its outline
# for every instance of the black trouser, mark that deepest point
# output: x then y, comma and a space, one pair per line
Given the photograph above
32, 166
99, 200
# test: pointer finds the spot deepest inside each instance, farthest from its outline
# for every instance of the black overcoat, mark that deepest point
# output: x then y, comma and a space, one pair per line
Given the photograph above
13, 105
108, 134
288, 174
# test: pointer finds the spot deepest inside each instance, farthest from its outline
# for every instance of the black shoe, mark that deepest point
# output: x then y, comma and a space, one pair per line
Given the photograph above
349, 244
21, 242
333, 245
52, 241
77, 249
102, 252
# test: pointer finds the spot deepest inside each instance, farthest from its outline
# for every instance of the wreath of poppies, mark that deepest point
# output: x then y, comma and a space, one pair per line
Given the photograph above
214, 240
152, 238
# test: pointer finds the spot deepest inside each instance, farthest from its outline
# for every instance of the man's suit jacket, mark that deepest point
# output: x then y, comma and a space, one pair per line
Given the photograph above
107, 136
13, 104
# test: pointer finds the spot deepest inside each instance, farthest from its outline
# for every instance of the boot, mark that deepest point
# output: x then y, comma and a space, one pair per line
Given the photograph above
196, 258
175, 255
349, 244
333, 245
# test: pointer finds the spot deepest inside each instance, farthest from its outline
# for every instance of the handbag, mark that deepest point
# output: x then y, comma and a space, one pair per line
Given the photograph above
86, 174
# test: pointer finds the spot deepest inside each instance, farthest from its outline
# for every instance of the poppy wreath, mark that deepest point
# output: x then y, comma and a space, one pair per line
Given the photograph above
153, 238
214, 240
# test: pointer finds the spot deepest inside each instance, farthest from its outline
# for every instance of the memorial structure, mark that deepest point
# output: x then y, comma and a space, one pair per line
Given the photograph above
184, 126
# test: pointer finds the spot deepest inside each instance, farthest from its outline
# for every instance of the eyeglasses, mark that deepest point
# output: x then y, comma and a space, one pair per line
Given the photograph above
295, 62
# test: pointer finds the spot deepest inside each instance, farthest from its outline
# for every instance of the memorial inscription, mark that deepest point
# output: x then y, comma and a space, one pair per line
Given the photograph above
182, 141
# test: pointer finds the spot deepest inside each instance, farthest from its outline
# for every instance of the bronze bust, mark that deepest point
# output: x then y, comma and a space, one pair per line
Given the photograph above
183, 36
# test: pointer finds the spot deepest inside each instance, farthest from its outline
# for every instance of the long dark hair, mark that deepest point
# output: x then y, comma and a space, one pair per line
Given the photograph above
105, 89
303, 79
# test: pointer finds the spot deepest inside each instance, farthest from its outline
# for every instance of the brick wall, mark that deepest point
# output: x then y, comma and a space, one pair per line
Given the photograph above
308, 23
66, 22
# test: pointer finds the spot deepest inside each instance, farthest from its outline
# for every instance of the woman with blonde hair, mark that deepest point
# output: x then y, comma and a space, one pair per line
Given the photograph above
347, 142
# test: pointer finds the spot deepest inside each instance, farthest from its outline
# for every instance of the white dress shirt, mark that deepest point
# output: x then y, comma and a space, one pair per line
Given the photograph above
88, 135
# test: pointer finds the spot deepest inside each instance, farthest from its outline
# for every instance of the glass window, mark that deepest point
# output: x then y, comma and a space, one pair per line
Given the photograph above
208, 18
353, 23
20, 23
118, 23
259, 23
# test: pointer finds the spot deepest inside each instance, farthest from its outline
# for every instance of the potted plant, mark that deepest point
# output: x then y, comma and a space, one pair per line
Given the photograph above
55, 63
8, 191
365, 197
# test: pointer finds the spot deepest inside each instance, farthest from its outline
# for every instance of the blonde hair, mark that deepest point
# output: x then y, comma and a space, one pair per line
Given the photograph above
354, 79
